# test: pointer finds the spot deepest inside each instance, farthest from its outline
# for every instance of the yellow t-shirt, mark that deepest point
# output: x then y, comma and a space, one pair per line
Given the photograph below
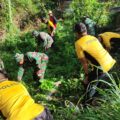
93, 47
106, 37
16, 103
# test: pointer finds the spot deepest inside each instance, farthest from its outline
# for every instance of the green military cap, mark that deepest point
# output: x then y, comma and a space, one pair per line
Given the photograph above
18, 57
35, 33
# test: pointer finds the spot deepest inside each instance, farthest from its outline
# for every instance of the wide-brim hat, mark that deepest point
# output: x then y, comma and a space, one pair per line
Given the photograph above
49, 12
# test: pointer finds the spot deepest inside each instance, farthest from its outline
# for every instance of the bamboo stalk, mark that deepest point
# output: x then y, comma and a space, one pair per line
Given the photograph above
10, 12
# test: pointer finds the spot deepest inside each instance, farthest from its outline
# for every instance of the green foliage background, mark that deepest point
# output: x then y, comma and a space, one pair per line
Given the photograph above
63, 64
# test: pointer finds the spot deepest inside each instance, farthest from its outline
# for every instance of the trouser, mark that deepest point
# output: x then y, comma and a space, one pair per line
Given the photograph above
90, 90
94, 74
45, 115
39, 71
2, 68
115, 43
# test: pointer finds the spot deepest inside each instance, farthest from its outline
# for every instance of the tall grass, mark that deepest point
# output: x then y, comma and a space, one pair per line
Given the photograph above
108, 109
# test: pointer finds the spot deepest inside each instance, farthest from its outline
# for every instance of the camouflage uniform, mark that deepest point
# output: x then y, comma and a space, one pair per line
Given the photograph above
45, 37
2, 68
40, 60
48, 41
90, 26
1, 65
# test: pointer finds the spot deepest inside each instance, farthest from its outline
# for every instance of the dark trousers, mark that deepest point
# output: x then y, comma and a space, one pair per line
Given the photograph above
115, 43
45, 115
96, 74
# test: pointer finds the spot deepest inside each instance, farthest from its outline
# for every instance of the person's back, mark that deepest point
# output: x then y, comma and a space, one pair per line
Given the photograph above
52, 18
16, 103
48, 41
45, 35
93, 47
37, 56
89, 50
36, 59
108, 37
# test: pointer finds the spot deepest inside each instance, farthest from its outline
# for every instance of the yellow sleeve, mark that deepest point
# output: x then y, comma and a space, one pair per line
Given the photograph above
50, 23
79, 51
106, 40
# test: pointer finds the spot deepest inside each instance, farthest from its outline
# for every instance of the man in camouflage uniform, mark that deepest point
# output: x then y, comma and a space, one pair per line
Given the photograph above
35, 59
45, 37
90, 24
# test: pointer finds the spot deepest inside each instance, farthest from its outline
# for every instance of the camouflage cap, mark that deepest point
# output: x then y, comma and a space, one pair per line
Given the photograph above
2, 68
35, 33
18, 57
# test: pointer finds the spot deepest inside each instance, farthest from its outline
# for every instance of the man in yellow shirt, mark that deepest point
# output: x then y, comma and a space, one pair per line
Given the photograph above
17, 104
110, 40
89, 49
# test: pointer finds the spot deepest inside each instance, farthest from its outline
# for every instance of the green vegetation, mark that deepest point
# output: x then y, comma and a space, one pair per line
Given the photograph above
63, 65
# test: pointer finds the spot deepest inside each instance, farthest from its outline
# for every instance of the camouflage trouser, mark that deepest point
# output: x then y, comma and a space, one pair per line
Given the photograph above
2, 69
45, 115
42, 67
40, 60
1, 65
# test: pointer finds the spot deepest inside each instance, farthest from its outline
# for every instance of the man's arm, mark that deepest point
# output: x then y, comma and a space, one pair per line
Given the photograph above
105, 45
49, 42
20, 73
83, 61
107, 48
85, 67
37, 46
45, 43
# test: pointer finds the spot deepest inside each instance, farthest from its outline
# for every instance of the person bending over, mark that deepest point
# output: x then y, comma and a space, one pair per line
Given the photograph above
35, 59
90, 51
43, 37
17, 104
110, 40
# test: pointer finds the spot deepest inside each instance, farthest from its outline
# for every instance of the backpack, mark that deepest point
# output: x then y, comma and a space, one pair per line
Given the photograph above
53, 19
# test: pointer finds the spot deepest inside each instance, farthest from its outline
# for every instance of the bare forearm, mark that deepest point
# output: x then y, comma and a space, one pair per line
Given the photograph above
108, 49
20, 73
85, 65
